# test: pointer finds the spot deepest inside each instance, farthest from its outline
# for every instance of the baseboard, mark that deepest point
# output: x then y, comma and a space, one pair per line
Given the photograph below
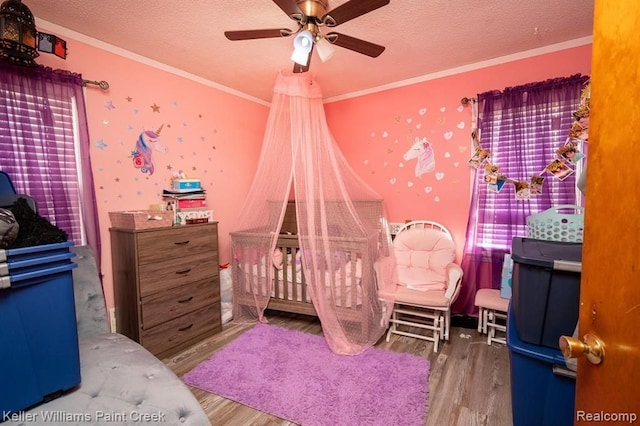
112, 319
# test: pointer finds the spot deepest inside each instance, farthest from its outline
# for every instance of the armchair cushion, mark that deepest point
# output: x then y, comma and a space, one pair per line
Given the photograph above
433, 298
422, 257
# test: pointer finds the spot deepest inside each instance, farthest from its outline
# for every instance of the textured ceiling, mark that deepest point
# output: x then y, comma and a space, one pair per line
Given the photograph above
421, 37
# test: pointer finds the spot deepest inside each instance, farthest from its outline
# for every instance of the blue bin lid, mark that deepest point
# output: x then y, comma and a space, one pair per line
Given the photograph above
26, 263
32, 251
20, 264
543, 252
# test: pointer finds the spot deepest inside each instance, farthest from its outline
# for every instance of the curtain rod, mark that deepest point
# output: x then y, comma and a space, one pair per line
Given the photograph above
102, 84
466, 100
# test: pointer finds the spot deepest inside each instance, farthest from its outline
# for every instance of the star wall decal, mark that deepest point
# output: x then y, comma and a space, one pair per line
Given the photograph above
109, 105
129, 99
155, 108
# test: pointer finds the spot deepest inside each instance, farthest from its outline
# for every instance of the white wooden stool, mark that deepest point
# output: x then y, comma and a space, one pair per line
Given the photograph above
492, 314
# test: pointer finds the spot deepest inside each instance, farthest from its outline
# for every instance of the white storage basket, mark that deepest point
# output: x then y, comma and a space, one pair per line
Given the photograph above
551, 225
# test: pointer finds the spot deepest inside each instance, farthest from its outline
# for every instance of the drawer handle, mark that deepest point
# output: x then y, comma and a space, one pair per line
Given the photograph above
184, 271
188, 299
186, 328
181, 243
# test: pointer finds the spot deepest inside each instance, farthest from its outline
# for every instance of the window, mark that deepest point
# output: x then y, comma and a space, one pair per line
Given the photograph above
522, 127
40, 127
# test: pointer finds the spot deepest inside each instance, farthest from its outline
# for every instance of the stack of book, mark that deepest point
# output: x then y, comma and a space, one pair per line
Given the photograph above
188, 201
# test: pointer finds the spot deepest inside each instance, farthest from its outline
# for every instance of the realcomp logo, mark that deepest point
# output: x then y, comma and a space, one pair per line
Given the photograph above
602, 416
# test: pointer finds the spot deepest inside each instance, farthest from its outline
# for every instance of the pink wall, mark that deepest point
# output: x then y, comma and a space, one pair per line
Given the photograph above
216, 136
207, 133
376, 130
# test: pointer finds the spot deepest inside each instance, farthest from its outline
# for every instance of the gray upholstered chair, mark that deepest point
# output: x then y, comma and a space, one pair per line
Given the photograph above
122, 382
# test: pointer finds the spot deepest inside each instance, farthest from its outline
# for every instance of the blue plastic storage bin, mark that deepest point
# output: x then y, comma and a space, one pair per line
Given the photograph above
39, 357
545, 289
542, 391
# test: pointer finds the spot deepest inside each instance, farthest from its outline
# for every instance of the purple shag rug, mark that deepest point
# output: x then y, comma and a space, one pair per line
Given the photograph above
295, 376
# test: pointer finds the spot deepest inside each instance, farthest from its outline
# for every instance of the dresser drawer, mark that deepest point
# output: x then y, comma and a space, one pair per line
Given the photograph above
174, 335
168, 305
156, 277
179, 242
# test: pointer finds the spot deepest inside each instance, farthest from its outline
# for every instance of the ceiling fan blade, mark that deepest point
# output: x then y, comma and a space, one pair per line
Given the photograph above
355, 44
254, 34
290, 7
350, 10
297, 68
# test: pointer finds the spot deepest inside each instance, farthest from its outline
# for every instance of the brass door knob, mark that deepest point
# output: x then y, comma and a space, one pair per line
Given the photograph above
591, 347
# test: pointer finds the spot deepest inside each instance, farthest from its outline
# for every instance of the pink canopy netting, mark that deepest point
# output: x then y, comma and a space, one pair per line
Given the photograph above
341, 223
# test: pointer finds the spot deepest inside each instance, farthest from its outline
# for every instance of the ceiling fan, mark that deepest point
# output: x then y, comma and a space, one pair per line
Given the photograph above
311, 15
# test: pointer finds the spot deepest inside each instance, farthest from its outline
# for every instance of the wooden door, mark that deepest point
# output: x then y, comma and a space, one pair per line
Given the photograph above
610, 286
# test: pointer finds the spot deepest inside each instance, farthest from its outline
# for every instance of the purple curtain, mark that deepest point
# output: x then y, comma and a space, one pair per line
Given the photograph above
522, 127
35, 146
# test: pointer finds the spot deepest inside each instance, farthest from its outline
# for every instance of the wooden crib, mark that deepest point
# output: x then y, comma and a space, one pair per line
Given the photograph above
349, 278
290, 292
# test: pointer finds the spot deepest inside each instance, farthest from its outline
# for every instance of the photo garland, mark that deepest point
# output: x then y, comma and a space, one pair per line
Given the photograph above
568, 155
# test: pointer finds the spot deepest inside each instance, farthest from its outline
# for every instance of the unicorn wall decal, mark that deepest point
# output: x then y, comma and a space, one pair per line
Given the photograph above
146, 142
422, 150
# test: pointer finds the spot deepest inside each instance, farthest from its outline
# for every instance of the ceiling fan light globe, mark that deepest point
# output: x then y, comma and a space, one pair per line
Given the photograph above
302, 44
303, 40
325, 49
300, 57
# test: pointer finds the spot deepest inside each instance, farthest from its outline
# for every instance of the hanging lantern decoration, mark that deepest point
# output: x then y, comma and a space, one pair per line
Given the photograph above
19, 39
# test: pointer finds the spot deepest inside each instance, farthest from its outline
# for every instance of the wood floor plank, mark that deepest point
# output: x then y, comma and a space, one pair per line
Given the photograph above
469, 381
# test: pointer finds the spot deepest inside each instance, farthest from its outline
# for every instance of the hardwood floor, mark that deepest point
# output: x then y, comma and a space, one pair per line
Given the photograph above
469, 382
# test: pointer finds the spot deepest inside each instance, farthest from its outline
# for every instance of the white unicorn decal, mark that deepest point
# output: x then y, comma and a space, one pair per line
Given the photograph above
422, 150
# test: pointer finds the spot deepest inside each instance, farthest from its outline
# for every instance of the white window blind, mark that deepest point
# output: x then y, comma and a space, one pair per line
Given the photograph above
38, 152
522, 151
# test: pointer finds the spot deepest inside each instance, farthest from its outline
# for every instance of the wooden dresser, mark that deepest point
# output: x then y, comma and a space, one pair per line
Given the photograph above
167, 285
